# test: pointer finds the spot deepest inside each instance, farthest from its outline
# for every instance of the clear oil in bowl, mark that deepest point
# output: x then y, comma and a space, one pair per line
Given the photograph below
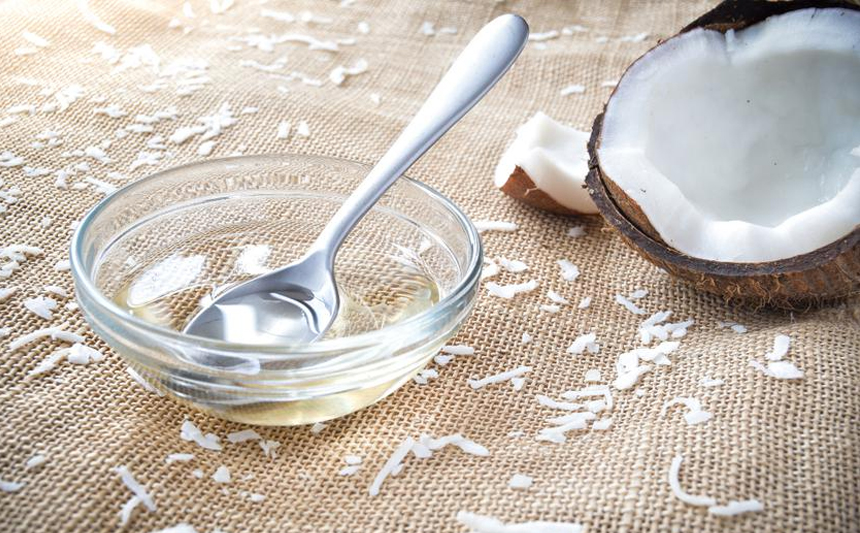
385, 274
168, 291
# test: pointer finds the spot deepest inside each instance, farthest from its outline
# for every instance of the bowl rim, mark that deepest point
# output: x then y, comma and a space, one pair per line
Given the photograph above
84, 282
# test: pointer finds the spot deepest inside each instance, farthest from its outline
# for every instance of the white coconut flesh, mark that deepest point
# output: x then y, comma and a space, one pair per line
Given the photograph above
555, 157
744, 146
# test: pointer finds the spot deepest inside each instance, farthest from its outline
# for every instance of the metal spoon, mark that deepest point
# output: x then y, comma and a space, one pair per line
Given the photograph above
298, 302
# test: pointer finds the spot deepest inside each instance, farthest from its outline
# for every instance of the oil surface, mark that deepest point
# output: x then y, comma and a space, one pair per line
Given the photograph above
168, 287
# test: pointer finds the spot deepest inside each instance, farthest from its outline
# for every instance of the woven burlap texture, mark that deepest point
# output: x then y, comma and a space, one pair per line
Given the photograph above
793, 445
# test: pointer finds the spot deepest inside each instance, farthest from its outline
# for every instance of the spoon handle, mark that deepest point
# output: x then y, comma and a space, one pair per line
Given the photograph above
484, 60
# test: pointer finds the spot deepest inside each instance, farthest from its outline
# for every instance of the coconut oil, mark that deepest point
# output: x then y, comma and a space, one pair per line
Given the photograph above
168, 287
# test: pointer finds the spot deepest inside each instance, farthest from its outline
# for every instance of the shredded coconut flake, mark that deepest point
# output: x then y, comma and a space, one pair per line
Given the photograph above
780, 348
190, 432
576, 231
520, 481
339, 74
179, 457
495, 225
694, 416
543, 36
135, 487
593, 375
569, 271
572, 89
601, 425
709, 382
630, 306
41, 306
205, 148
35, 461
734, 508
557, 298
487, 524
269, 447
349, 470
458, 349
675, 484
778, 369
243, 436
637, 38
509, 291
498, 378
10, 486
513, 266
222, 475
393, 462
583, 342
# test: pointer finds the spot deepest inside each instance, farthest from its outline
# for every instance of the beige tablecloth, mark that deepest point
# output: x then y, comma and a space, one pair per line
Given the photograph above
792, 445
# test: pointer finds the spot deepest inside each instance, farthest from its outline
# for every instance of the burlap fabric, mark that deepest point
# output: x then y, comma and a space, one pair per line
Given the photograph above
791, 445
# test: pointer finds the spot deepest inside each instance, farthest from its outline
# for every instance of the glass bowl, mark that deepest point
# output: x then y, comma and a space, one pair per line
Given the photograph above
147, 256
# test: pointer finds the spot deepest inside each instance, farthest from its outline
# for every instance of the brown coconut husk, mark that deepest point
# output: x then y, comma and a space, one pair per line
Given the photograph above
828, 273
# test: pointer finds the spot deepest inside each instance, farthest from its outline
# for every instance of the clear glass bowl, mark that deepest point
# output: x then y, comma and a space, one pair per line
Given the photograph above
170, 239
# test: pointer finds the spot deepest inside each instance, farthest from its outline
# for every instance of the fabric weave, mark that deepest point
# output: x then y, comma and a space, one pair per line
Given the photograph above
793, 445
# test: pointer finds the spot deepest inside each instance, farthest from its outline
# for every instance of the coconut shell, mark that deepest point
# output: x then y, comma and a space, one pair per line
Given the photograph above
521, 187
827, 273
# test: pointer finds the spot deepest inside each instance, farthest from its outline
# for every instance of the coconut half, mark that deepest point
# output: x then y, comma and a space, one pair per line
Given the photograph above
734, 148
546, 166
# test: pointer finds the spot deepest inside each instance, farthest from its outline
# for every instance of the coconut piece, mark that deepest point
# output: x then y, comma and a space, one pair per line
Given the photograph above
744, 222
545, 167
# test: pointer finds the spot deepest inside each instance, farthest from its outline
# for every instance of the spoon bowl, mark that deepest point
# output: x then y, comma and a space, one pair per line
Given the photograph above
272, 309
